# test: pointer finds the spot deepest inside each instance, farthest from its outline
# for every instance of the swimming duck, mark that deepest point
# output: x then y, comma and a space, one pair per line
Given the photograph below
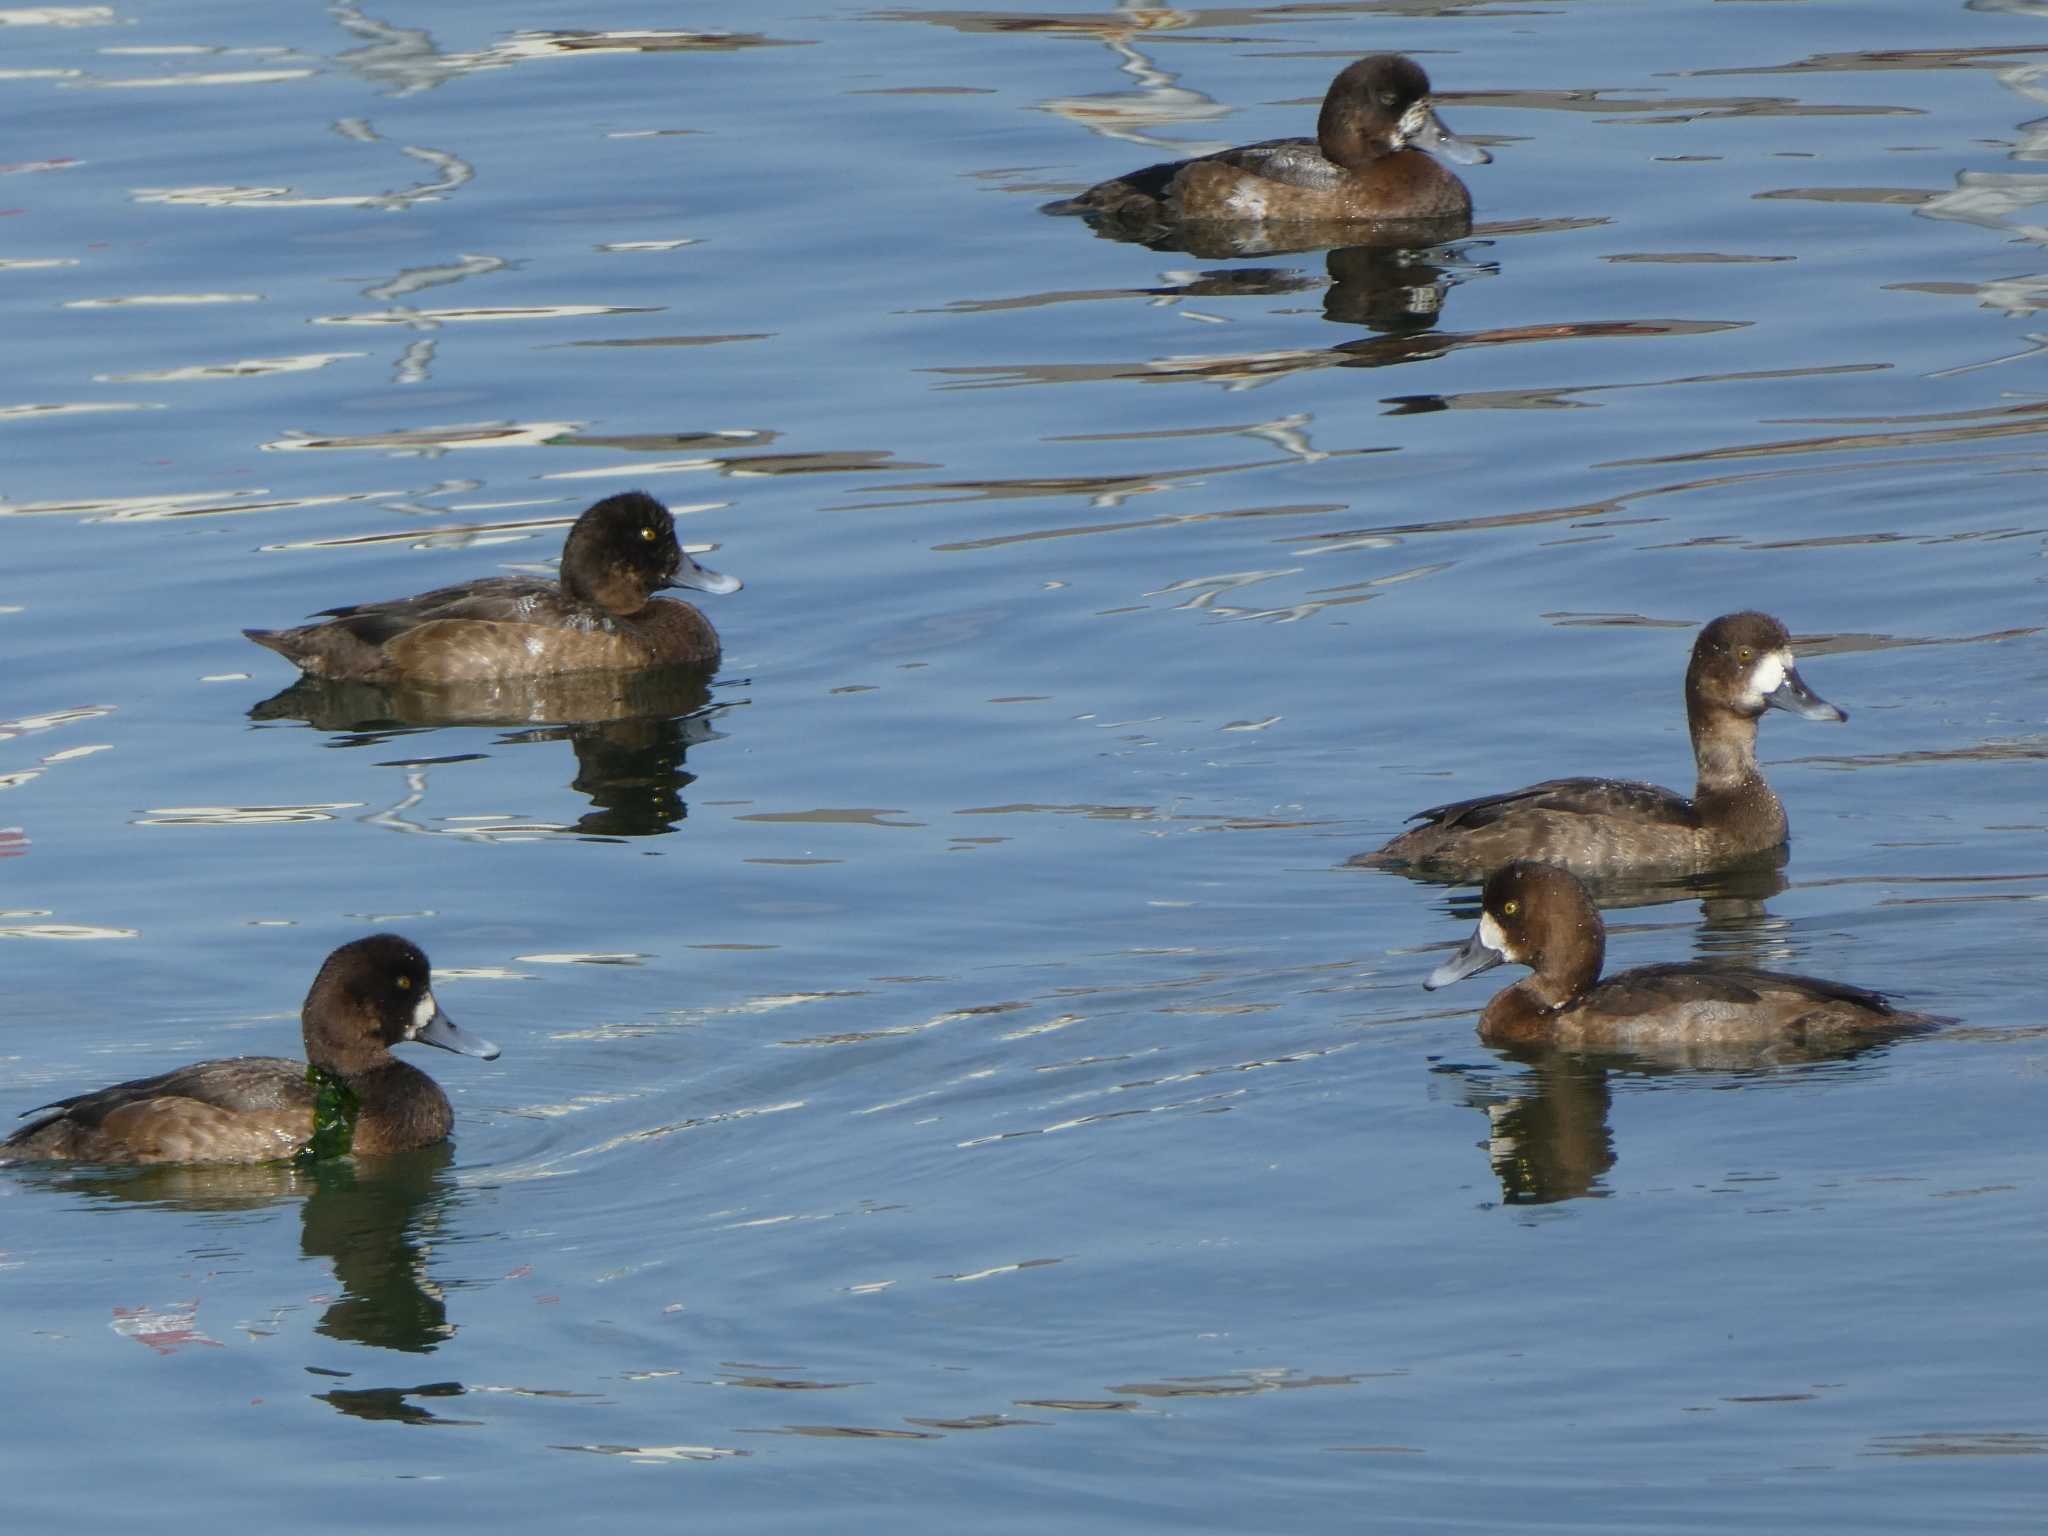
1741, 666
601, 616
1359, 166
1540, 916
370, 995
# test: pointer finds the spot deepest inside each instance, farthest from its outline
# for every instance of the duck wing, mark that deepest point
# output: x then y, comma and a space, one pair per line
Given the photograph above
1616, 799
1293, 162
233, 1083
492, 599
1143, 194
1648, 987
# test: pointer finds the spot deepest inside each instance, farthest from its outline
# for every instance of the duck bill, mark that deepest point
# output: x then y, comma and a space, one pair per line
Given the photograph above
1421, 127
440, 1030
1473, 956
702, 579
1793, 695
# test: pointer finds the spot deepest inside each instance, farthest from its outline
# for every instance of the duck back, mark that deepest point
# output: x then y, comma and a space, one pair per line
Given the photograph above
240, 1109
1704, 1003
497, 628
1589, 826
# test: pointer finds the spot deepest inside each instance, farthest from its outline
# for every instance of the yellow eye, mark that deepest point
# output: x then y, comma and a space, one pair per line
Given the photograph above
405, 983
1510, 908
649, 535
1743, 653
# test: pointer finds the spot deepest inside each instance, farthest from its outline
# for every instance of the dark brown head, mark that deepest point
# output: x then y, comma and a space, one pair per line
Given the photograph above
1381, 105
1741, 666
1539, 916
373, 994
623, 550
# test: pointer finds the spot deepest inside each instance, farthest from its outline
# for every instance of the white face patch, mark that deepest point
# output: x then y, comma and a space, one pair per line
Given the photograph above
1770, 673
423, 1012
1412, 123
1491, 936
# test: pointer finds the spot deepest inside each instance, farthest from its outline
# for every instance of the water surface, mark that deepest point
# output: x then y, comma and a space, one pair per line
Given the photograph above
947, 1061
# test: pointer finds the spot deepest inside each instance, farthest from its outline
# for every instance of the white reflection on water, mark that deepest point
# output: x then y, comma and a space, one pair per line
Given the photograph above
149, 509
424, 317
255, 197
218, 77
1157, 101
74, 408
9, 729
489, 828
431, 441
150, 300
474, 535
652, 1455
252, 367
62, 931
241, 815
58, 16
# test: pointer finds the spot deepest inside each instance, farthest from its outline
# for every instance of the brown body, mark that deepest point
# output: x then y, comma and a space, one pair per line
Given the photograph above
1597, 827
369, 995
1239, 184
602, 616
501, 628
246, 1109
1539, 916
1358, 168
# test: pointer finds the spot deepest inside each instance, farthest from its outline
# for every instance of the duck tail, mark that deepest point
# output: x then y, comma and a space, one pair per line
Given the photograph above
288, 643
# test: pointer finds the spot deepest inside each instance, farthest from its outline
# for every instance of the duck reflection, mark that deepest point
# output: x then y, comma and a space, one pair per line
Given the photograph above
372, 1220
1549, 1135
1395, 279
205, 1188
630, 732
1395, 290
396, 1405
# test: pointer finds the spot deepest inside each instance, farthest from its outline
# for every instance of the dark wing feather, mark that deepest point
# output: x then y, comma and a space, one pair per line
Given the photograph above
1648, 987
1143, 193
1150, 182
1613, 798
236, 1082
500, 599
1292, 162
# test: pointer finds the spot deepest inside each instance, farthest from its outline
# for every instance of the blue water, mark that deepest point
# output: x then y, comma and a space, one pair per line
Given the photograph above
949, 1076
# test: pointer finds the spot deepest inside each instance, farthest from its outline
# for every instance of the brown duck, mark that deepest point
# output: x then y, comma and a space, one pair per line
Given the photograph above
370, 995
601, 616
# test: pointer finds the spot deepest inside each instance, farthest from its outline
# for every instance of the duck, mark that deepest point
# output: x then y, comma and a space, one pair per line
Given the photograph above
601, 616
1366, 162
369, 995
1741, 665
1540, 916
